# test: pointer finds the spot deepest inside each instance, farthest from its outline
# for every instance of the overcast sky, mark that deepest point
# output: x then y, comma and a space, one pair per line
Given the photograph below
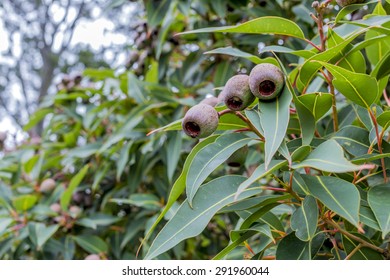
95, 33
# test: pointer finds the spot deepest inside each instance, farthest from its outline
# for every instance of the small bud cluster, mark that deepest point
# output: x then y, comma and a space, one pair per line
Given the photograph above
265, 82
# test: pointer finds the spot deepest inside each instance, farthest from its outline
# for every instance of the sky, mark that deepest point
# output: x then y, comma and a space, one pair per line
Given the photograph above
96, 33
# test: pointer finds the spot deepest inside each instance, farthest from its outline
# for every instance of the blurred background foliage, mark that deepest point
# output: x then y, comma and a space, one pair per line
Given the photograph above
111, 180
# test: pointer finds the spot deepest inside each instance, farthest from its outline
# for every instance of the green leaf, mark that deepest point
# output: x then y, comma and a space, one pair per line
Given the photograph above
317, 103
234, 244
376, 52
299, 185
123, 159
262, 25
259, 173
99, 74
274, 117
306, 118
237, 53
304, 219
329, 157
152, 74
384, 120
209, 158
382, 70
100, 175
301, 153
338, 195
353, 139
262, 228
353, 61
73, 184
223, 72
369, 158
242, 206
311, 66
189, 222
363, 253
367, 217
359, 88
180, 184
378, 198
38, 116
132, 120
280, 49
283, 150
91, 243
24, 202
98, 219
292, 248
143, 200
4, 223
39, 233
350, 9
173, 151
253, 116
135, 88
376, 23
84, 151
156, 11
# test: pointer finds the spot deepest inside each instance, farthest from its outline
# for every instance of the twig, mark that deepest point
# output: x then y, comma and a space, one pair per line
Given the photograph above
379, 140
356, 238
357, 248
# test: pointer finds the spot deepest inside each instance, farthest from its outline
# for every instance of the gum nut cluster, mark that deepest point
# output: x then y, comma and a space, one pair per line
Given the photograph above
200, 121
237, 94
344, 3
266, 81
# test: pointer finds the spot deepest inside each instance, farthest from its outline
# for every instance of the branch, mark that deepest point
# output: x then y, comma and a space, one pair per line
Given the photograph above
43, 24
19, 74
65, 43
56, 26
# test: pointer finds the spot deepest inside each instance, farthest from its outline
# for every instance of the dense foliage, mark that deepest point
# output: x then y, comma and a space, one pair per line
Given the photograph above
301, 176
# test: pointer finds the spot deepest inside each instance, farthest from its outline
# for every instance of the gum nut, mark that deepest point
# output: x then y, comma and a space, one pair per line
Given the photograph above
238, 157
74, 210
266, 81
200, 121
55, 207
344, 3
221, 97
47, 185
212, 101
238, 95
92, 257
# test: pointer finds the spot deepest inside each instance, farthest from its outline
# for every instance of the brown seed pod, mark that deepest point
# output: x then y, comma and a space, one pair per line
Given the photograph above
266, 81
92, 257
47, 185
237, 94
55, 207
212, 101
200, 121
